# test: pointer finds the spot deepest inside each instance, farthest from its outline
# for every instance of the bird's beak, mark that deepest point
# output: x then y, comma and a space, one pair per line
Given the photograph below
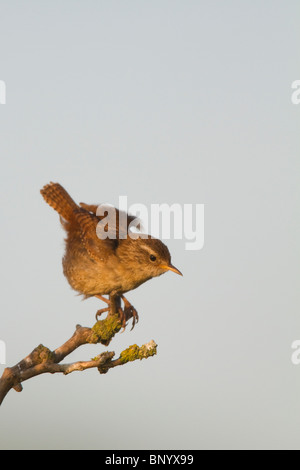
170, 267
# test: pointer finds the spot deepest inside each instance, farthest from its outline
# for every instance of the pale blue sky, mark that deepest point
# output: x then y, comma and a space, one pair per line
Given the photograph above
162, 101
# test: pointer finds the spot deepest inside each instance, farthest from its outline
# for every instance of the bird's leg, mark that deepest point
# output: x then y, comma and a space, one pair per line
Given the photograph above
99, 312
107, 301
125, 313
129, 312
102, 310
114, 306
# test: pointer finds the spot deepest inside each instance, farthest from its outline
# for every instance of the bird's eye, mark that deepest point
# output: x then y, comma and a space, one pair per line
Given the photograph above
153, 258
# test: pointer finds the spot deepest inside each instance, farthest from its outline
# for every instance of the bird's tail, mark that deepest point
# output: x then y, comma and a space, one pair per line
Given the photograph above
58, 198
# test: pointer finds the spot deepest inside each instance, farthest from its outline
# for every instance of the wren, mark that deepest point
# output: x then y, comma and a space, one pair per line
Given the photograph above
112, 266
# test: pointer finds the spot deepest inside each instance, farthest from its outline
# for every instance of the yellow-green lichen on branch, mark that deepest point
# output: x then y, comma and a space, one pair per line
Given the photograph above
41, 354
135, 352
104, 330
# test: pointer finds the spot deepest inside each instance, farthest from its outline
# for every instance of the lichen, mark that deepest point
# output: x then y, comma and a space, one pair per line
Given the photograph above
104, 330
41, 354
135, 352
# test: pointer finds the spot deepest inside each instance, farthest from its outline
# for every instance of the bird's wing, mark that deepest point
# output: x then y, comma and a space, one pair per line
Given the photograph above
89, 207
89, 225
119, 221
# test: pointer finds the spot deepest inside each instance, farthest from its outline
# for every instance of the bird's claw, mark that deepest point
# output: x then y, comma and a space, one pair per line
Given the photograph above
126, 313
99, 312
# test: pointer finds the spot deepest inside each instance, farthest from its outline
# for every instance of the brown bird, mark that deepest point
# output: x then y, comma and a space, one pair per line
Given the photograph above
110, 266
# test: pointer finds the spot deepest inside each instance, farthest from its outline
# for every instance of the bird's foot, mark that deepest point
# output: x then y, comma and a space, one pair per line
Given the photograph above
114, 306
99, 312
128, 312
102, 310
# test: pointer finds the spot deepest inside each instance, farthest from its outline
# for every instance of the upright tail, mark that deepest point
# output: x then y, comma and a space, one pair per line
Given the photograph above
58, 198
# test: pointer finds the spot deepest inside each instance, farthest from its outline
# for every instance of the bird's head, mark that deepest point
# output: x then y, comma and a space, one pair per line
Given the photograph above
148, 257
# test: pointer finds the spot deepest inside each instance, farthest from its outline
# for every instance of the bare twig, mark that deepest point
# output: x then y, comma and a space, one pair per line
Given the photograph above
41, 360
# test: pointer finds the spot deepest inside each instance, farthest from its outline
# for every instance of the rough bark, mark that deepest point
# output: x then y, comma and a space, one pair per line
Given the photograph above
42, 360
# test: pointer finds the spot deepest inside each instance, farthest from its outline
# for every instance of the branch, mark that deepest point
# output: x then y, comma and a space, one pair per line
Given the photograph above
41, 360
